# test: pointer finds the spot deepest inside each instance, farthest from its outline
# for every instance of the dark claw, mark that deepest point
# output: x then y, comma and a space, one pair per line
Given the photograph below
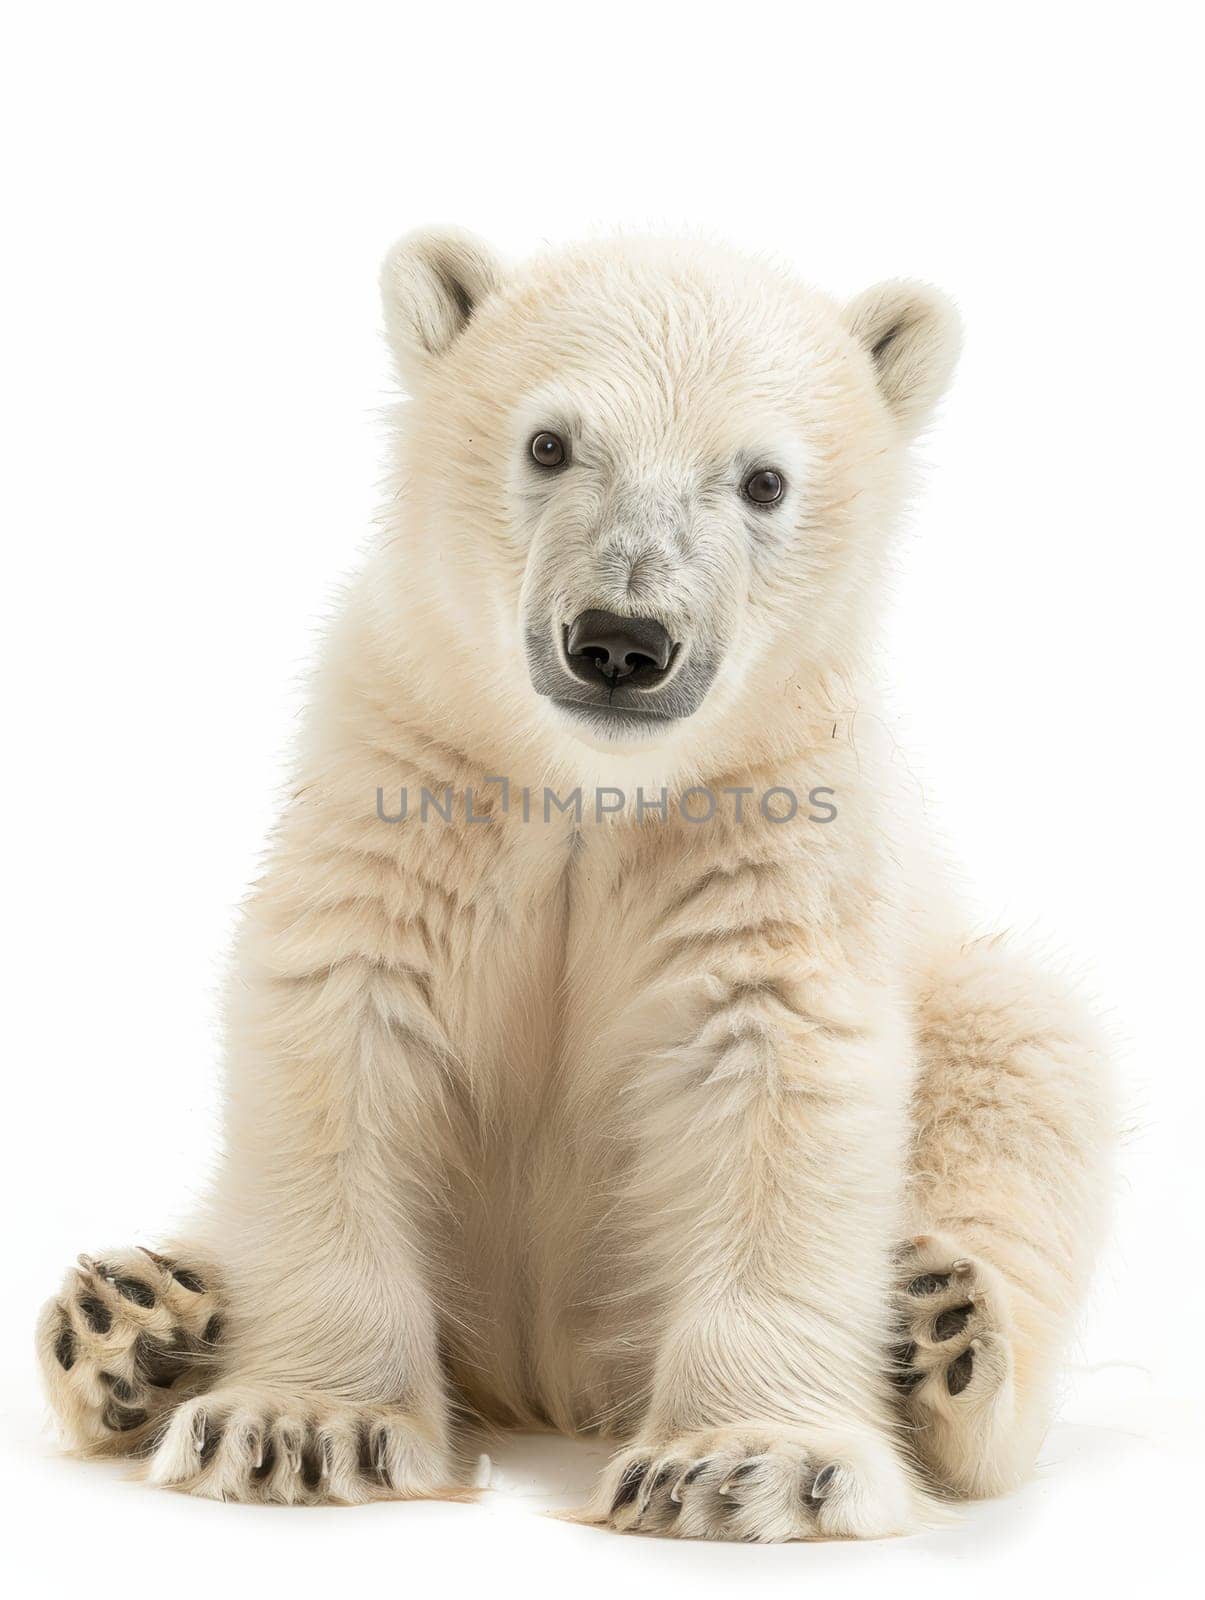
64, 1349
182, 1275
98, 1317
958, 1373
213, 1330
212, 1439
134, 1289
951, 1322
737, 1473
929, 1283
666, 1476
372, 1457
311, 1462
267, 1461
629, 1485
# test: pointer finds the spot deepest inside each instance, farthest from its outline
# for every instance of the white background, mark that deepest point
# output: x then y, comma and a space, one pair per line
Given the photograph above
196, 198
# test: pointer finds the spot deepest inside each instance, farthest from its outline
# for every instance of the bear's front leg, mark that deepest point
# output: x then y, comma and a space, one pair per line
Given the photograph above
326, 1384
764, 1195
771, 1416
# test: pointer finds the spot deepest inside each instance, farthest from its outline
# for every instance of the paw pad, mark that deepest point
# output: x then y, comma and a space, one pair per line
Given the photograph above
960, 1371
929, 1283
951, 1322
953, 1310
125, 1329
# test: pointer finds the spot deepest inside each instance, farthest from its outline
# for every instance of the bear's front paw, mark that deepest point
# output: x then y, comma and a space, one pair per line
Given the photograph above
763, 1482
254, 1443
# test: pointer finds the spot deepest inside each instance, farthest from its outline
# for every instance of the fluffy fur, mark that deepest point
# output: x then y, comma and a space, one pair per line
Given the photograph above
725, 1139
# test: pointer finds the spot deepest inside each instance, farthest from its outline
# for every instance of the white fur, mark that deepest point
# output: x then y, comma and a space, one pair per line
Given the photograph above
634, 1125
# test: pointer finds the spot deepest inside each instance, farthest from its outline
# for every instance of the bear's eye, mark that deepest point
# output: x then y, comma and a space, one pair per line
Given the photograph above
548, 450
764, 486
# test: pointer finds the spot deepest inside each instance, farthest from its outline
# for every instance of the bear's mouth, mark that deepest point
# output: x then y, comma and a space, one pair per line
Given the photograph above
607, 714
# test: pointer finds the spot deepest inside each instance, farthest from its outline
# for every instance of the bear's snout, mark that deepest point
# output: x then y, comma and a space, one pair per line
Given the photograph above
632, 650
626, 674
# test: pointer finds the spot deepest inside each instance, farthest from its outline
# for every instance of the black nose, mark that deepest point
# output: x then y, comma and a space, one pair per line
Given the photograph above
634, 650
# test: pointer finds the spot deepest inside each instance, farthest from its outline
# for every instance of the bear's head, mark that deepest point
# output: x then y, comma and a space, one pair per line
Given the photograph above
645, 490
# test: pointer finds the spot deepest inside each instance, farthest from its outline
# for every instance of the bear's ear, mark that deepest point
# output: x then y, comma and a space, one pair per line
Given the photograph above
912, 334
432, 281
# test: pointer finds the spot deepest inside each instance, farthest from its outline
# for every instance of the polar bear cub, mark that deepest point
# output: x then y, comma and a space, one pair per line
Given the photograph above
607, 1049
